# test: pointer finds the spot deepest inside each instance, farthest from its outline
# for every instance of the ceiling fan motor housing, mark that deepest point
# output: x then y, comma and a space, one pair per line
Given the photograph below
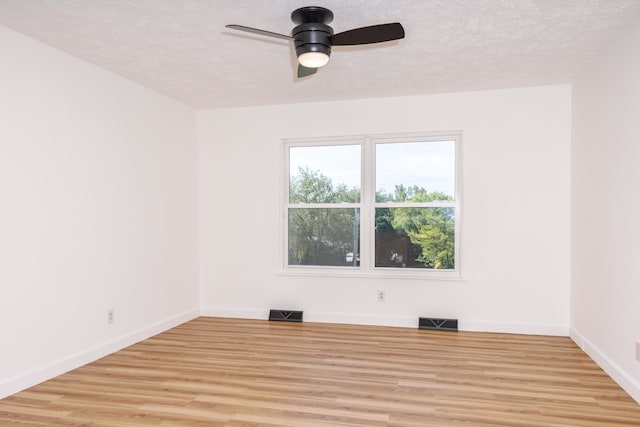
312, 37
312, 34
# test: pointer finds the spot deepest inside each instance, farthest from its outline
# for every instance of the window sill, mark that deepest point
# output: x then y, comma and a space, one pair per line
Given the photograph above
449, 276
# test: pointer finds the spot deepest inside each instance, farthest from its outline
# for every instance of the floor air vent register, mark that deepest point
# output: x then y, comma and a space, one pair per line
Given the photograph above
432, 323
285, 316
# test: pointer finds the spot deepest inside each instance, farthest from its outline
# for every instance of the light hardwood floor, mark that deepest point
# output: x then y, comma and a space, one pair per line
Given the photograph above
229, 372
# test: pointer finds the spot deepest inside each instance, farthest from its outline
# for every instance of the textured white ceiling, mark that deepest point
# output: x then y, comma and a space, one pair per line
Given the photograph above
181, 48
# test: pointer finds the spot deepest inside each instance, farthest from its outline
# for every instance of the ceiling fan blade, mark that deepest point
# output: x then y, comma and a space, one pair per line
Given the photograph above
258, 31
371, 34
305, 71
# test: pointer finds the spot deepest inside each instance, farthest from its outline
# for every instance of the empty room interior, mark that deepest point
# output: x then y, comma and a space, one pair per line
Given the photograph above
204, 222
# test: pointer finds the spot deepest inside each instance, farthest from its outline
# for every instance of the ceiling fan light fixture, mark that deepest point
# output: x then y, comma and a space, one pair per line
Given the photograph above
313, 59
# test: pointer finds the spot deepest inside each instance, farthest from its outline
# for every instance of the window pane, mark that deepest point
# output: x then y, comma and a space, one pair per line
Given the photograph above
415, 238
324, 237
324, 174
415, 171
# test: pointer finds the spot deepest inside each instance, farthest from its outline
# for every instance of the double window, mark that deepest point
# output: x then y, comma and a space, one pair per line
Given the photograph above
373, 204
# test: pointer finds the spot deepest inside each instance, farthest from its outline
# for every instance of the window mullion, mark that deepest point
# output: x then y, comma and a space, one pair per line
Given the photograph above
323, 205
367, 224
443, 204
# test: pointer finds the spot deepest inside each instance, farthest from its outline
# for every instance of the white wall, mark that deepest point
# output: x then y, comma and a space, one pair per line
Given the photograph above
605, 227
515, 241
97, 210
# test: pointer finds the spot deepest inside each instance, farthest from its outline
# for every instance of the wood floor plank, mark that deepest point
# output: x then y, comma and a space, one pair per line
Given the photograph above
243, 373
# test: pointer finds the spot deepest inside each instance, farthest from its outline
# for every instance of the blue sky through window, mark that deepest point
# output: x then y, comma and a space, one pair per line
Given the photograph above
430, 165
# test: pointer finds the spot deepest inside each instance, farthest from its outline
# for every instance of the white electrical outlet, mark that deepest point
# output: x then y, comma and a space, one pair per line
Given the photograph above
638, 351
381, 295
110, 316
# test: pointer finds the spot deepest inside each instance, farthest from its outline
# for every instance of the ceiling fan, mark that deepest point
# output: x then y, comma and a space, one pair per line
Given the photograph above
313, 37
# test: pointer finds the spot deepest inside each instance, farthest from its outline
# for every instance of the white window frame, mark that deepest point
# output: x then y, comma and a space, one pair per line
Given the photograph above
367, 206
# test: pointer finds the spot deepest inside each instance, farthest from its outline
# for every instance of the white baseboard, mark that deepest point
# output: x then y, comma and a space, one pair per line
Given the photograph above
361, 319
624, 380
398, 321
235, 313
42, 373
514, 328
